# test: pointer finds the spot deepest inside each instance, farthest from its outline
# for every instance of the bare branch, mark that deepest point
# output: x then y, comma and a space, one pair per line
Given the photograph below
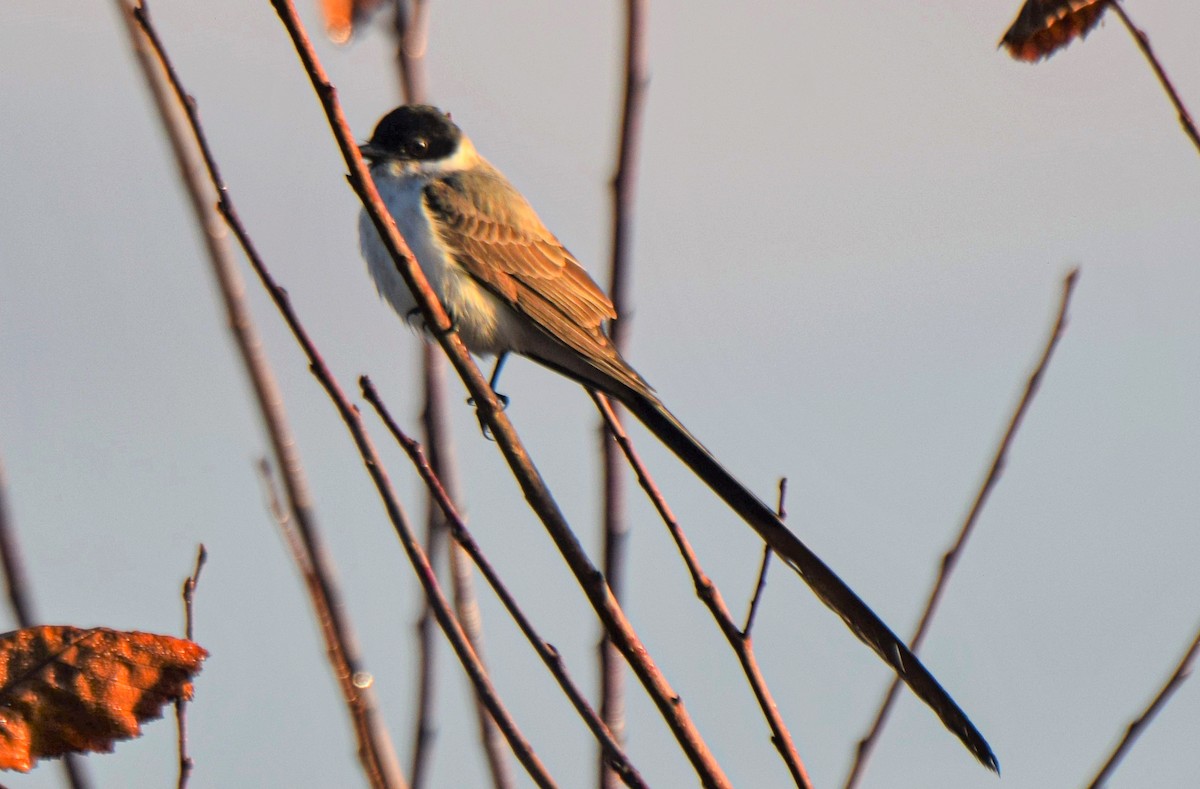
1143, 42
536, 493
708, 593
616, 527
609, 745
189, 591
1135, 729
761, 584
360, 680
950, 559
441, 608
411, 32
16, 584
375, 753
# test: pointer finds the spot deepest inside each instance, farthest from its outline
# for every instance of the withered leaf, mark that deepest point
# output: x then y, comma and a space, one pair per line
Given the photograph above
66, 689
1045, 26
343, 16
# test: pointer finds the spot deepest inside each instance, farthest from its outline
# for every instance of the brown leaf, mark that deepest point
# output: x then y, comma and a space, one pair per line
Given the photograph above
342, 16
1045, 26
66, 689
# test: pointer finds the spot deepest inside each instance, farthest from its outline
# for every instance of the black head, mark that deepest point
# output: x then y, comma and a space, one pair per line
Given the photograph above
416, 132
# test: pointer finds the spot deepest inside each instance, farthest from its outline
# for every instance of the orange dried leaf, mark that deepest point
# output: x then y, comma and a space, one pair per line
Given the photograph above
1045, 26
65, 689
341, 17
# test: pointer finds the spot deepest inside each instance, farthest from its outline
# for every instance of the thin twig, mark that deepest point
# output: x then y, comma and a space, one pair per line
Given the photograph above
374, 749
761, 583
283, 519
708, 593
609, 745
1143, 42
411, 31
186, 765
533, 486
189, 591
467, 610
445, 618
950, 559
424, 727
1135, 729
16, 585
16, 582
616, 526
439, 605
410, 34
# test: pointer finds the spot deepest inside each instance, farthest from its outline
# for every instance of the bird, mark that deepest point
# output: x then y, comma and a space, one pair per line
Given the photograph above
510, 286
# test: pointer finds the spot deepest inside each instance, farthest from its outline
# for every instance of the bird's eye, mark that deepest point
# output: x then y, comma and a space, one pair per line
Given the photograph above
418, 146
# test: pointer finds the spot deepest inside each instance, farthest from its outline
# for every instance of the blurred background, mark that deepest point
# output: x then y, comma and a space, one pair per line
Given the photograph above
852, 225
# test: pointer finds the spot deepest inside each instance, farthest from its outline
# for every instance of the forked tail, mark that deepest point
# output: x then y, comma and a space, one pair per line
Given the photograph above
831, 589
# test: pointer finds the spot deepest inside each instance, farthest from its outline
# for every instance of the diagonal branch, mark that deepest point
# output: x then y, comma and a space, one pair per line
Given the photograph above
1181, 673
765, 564
1143, 42
708, 593
374, 749
613, 754
532, 485
411, 32
355, 679
442, 611
16, 582
16, 585
950, 559
616, 526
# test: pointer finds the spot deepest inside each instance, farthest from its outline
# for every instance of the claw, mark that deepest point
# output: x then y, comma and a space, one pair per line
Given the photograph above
483, 428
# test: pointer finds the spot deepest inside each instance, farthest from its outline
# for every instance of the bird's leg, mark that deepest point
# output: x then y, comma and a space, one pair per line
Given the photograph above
492, 383
502, 398
496, 377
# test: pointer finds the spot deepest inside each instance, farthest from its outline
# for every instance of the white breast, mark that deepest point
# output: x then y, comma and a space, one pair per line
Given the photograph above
476, 312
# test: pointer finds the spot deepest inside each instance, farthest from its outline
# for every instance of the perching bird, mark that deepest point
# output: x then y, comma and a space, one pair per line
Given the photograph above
509, 285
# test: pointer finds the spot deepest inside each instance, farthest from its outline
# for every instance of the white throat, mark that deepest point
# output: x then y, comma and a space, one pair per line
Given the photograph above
486, 325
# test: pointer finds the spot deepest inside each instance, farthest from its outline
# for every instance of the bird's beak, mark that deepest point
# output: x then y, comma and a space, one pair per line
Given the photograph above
371, 153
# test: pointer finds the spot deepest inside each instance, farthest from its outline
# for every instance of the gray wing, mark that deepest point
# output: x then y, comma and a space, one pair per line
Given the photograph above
498, 239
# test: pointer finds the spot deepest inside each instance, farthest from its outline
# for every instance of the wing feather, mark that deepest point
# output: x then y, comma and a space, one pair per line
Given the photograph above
498, 239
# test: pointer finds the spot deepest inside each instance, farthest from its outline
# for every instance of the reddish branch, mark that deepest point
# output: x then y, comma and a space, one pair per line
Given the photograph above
492, 414
950, 559
613, 754
375, 753
411, 31
708, 593
612, 707
442, 611
1181, 673
436, 425
350, 415
1143, 42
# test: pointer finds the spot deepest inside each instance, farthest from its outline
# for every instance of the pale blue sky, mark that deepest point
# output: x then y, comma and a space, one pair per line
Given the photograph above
852, 226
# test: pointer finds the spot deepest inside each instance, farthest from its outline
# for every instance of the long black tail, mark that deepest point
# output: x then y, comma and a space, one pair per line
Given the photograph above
831, 589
